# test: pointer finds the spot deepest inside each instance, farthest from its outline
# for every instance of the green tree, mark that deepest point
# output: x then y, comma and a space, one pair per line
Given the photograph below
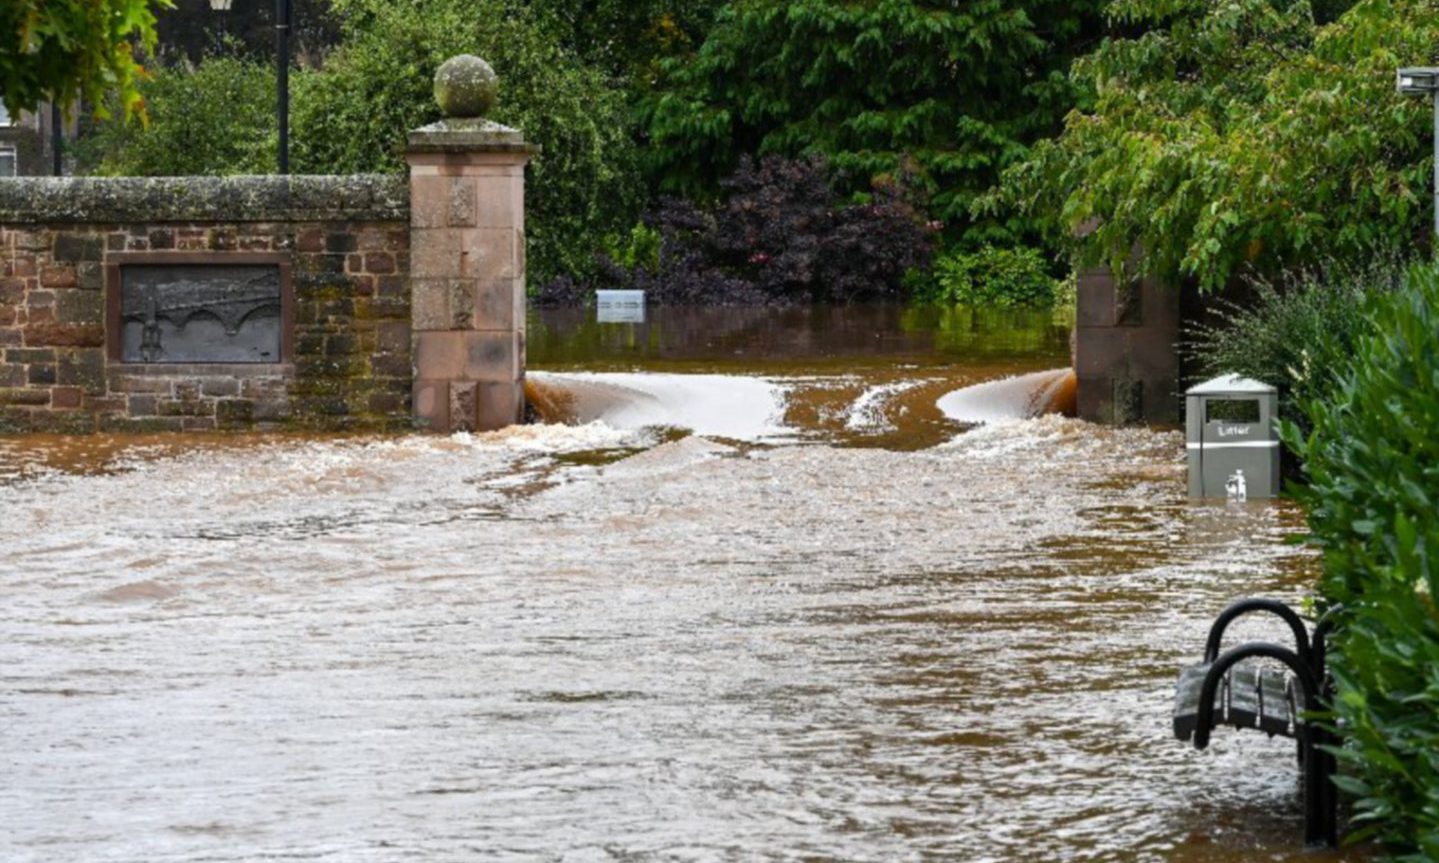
955, 90
1236, 133
217, 118
353, 115
68, 50
628, 38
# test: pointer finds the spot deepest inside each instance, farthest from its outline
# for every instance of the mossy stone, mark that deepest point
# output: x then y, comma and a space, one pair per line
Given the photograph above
466, 86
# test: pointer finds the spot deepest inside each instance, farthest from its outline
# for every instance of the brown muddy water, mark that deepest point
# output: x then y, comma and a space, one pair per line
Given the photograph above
798, 636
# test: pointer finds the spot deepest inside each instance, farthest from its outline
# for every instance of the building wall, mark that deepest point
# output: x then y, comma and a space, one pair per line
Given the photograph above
28, 135
345, 239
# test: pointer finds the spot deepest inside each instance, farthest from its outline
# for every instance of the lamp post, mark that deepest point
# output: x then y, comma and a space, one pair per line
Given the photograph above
282, 79
57, 139
282, 72
1424, 81
221, 6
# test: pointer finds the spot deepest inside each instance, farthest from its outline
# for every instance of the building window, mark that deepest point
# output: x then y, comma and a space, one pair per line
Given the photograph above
7, 161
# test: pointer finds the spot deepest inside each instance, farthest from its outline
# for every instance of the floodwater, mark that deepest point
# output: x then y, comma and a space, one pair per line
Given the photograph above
868, 376
796, 636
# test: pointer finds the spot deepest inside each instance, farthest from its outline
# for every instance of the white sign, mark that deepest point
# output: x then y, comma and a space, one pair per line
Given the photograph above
620, 307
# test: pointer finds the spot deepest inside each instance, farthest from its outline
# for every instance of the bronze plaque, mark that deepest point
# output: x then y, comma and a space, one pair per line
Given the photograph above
200, 313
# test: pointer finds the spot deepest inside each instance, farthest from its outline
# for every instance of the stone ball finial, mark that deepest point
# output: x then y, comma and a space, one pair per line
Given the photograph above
466, 87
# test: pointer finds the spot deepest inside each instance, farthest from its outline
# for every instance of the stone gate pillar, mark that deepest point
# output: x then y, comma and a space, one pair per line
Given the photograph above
1126, 353
467, 257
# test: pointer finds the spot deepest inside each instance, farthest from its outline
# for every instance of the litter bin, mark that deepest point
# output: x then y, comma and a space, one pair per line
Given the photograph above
1232, 441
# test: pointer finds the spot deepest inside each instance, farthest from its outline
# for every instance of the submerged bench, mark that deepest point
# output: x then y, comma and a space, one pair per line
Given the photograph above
1220, 691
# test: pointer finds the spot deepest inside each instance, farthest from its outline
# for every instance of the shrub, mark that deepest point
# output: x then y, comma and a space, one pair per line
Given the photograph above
781, 236
1297, 332
1372, 461
640, 248
1224, 135
992, 276
215, 118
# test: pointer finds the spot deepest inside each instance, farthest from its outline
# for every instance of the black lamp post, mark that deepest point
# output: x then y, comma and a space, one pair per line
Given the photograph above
282, 79
282, 71
221, 6
57, 139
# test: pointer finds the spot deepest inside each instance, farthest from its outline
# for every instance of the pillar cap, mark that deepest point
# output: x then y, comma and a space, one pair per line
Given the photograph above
468, 135
466, 87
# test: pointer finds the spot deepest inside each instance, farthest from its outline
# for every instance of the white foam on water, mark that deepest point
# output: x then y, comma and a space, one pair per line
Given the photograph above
677, 455
728, 406
1006, 400
867, 413
998, 440
554, 438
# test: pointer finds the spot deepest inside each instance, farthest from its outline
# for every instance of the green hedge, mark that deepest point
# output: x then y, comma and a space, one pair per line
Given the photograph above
1226, 135
991, 276
1372, 460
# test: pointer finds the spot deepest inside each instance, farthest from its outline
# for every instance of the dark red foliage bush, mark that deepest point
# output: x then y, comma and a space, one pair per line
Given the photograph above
780, 237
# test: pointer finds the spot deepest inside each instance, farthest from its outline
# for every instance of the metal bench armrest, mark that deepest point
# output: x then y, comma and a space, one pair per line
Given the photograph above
1246, 606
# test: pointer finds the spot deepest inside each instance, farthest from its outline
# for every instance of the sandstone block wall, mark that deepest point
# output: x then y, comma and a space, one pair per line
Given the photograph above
346, 240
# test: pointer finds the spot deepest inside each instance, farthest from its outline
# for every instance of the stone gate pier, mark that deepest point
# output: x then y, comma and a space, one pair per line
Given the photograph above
467, 241
1126, 349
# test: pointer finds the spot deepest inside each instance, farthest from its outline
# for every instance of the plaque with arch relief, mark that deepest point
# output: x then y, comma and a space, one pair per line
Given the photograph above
230, 309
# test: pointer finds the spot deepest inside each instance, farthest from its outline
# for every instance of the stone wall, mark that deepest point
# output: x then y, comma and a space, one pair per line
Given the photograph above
346, 240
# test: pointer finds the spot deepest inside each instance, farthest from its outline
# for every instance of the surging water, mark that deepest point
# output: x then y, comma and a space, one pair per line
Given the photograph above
872, 376
528, 646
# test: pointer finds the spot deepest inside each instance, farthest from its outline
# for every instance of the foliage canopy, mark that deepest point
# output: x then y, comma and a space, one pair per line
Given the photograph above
957, 89
627, 38
1238, 133
68, 50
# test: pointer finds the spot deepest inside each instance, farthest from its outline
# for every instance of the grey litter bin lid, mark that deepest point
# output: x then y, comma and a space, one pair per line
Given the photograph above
1230, 384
